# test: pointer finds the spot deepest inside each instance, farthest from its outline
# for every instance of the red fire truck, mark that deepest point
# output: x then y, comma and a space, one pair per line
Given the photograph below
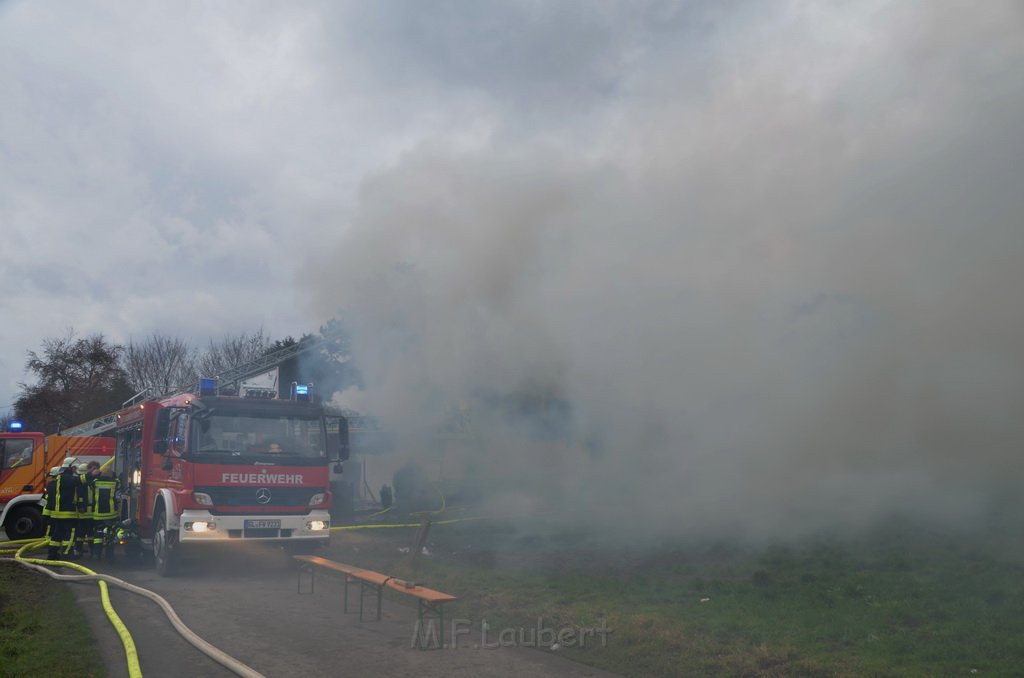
202, 468
25, 458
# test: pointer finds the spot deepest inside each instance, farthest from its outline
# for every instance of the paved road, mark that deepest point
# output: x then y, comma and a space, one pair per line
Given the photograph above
244, 601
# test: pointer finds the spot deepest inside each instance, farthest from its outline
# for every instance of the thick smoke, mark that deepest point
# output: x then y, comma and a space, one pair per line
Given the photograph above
773, 294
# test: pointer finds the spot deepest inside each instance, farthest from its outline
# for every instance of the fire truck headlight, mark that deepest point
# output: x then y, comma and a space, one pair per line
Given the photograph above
202, 498
200, 526
317, 499
317, 525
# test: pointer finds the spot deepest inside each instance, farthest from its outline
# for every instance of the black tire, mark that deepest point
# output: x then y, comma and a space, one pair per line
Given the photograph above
166, 550
24, 522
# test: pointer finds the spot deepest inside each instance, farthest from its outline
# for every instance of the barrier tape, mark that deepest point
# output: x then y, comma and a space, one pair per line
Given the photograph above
376, 527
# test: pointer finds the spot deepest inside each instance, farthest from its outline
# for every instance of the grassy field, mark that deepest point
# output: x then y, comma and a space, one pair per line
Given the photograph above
900, 601
42, 630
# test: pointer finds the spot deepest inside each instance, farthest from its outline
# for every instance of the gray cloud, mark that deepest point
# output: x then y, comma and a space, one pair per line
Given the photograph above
783, 305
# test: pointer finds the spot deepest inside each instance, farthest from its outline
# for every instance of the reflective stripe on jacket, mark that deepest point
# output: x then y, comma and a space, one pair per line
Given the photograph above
86, 494
48, 496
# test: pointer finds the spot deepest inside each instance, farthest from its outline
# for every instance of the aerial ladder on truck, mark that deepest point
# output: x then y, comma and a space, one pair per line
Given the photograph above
228, 379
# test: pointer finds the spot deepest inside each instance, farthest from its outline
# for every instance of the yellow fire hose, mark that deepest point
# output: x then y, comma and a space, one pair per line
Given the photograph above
131, 655
379, 513
444, 504
417, 513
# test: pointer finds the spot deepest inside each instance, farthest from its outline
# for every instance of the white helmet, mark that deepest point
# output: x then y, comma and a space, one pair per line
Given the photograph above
55, 471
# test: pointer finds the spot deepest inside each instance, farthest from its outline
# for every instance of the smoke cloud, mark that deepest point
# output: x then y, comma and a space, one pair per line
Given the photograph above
770, 284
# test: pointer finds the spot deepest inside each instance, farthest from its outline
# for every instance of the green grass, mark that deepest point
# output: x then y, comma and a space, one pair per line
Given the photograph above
897, 602
42, 630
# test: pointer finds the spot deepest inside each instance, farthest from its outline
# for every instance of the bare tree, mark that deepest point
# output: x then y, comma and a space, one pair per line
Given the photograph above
232, 351
76, 379
160, 364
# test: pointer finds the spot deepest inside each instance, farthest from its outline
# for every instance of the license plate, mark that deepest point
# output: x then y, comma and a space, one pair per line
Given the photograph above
262, 524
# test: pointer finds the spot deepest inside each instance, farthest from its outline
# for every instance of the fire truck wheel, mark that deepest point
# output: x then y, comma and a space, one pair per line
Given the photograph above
165, 546
24, 522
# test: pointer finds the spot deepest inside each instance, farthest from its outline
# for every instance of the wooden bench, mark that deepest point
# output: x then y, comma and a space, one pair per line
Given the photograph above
430, 603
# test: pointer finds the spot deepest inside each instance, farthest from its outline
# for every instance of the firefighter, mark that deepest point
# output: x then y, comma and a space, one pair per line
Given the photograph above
104, 513
85, 500
48, 497
64, 512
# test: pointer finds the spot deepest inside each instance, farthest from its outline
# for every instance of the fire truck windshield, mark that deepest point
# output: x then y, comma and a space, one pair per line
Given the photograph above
280, 436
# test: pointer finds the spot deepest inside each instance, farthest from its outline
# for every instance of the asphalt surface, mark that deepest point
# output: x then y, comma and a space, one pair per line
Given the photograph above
245, 601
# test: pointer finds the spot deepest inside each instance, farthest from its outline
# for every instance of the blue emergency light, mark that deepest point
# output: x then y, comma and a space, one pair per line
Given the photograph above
300, 391
14, 426
207, 386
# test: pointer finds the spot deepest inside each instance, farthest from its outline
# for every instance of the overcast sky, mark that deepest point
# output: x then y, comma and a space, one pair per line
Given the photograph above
732, 234
172, 166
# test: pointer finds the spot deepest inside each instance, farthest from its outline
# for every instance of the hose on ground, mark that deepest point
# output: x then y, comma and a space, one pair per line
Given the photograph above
206, 648
444, 504
130, 653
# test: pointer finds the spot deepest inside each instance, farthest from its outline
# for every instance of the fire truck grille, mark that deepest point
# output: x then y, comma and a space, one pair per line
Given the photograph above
226, 497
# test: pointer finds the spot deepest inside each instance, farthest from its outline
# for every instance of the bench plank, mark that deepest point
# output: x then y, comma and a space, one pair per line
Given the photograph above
352, 571
429, 595
328, 564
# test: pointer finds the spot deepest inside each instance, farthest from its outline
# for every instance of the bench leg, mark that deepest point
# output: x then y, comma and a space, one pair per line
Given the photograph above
348, 580
362, 593
428, 612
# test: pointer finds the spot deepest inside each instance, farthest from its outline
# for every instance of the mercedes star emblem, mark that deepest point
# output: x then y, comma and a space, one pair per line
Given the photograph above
263, 495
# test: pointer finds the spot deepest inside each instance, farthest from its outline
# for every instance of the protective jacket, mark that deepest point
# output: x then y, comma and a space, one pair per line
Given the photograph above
104, 496
65, 496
